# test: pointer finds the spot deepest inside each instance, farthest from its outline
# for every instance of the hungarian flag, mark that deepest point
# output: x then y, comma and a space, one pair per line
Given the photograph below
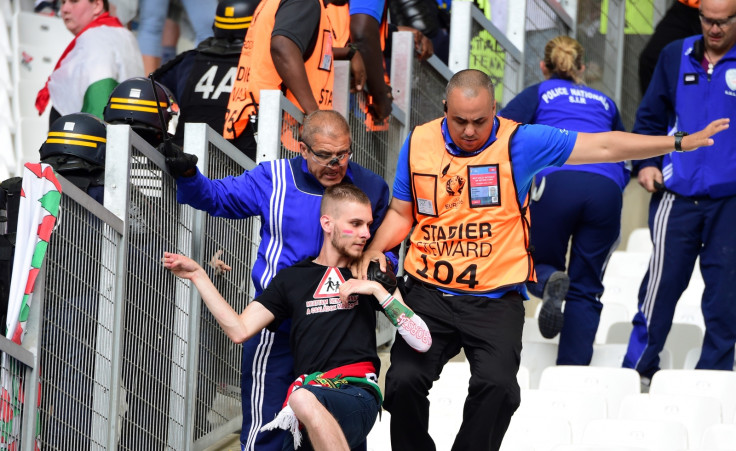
100, 57
39, 208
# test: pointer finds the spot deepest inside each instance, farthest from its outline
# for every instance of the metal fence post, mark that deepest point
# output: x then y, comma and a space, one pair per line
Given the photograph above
614, 53
269, 125
30, 358
341, 88
195, 143
117, 199
402, 56
460, 30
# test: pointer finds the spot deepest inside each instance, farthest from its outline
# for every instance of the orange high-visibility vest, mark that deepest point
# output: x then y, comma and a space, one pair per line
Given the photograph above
256, 70
471, 232
691, 3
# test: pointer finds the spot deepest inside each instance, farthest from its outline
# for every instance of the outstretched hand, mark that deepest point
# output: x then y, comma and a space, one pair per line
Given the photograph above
181, 266
703, 137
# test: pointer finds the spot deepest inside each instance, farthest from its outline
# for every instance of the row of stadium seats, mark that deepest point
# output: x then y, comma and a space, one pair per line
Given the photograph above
30, 45
589, 408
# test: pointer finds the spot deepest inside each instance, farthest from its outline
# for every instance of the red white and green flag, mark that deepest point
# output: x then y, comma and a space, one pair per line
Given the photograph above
39, 208
76, 85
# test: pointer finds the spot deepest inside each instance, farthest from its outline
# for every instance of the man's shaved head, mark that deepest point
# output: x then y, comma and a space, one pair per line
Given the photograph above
328, 123
471, 81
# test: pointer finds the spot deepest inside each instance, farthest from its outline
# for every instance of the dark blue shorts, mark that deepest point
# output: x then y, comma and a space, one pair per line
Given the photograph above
355, 409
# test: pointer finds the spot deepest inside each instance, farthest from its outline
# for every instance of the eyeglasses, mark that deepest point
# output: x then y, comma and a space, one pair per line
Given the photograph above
330, 159
720, 23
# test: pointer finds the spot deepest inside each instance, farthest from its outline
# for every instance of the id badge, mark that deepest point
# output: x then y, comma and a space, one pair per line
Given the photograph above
485, 190
425, 193
325, 60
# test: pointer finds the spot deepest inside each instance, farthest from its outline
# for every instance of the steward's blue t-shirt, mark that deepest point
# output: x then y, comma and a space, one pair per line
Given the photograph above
373, 8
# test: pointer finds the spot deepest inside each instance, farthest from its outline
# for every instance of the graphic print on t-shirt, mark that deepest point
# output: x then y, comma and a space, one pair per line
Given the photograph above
329, 286
327, 295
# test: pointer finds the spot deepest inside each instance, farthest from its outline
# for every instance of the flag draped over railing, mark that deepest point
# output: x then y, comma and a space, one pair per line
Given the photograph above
39, 209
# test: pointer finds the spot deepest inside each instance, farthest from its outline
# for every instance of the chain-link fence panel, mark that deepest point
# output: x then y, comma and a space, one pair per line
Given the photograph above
231, 242
373, 144
427, 93
542, 24
156, 330
77, 330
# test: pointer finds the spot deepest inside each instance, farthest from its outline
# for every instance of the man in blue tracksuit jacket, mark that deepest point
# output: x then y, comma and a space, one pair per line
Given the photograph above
286, 195
695, 211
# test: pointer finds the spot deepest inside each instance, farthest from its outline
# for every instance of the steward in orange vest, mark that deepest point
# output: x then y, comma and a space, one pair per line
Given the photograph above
257, 68
488, 248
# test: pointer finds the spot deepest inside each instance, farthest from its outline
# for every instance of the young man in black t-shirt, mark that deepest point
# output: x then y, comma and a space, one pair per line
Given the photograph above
333, 326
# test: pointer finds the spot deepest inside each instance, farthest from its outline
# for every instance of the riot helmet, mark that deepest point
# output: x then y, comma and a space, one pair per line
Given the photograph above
233, 18
75, 143
132, 102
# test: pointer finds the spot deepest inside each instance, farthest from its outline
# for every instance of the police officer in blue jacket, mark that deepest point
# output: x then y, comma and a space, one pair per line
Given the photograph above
582, 202
693, 208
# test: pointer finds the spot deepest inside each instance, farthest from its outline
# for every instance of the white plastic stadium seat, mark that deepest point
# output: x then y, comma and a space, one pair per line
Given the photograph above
531, 330
32, 134
639, 241
581, 447
632, 265
535, 432
651, 434
43, 31
613, 383
5, 80
379, 439
621, 290
35, 64
6, 51
619, 332
713, 383
577, 408
522, 377
446, 401
689, 314
6, 114
536, 357
696, 413
719, 437
7, 153
612, 313
682, 337
609, 355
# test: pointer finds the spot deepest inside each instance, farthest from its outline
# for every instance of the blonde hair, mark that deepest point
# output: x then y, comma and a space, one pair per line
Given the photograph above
563, 56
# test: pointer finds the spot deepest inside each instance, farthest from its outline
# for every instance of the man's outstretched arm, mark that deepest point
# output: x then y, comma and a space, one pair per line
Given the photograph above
238, 327
620, 146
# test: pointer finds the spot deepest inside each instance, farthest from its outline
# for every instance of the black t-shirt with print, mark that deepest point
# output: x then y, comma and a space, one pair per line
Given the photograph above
323, 334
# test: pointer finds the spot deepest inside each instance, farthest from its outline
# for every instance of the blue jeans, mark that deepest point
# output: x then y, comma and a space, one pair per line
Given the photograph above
355, 409
152, 14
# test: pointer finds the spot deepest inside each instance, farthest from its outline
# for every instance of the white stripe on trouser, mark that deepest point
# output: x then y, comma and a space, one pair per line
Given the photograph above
659, 235
260, 363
